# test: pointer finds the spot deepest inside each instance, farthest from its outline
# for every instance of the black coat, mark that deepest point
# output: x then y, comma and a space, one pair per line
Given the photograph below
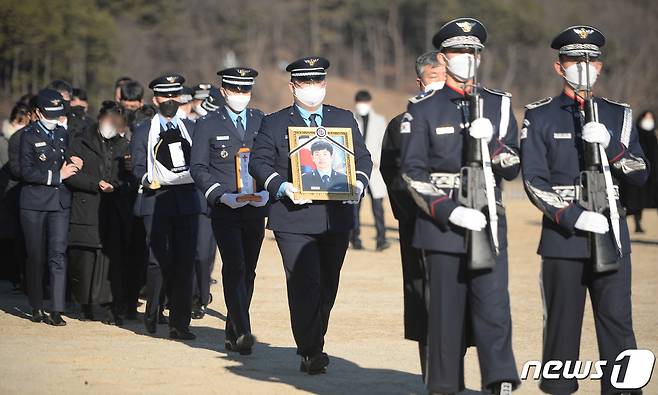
93, 211
636, 198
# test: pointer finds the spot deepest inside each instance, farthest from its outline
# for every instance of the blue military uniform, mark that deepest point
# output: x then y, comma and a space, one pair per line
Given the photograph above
170, 206
552, 157
239, 232
433, 132
312, 238
45, 204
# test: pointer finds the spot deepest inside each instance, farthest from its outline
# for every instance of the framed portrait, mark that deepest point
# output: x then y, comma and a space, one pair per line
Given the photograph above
322, 162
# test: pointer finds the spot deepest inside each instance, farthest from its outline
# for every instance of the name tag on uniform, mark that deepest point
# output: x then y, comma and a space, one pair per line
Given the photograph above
562, 136
222, 138
177, 156
445, 130
41, 144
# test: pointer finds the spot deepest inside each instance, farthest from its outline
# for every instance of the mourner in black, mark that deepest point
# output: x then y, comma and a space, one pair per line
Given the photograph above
45, 203
99, 216
324, 177
170, 205
434, 133
238, 212
312, 236
430, 75
636, 198
554, 139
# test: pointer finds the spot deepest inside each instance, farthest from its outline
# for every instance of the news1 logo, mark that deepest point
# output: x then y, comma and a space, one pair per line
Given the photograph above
631, 370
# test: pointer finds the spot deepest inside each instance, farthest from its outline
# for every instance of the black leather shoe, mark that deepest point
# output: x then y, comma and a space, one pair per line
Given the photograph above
130, 314
111, 318
357, 245
198, 312
383, 246
181, 334
244, 343
229, 345
88, 312
151, 324
55, 319
315, 365
37, 315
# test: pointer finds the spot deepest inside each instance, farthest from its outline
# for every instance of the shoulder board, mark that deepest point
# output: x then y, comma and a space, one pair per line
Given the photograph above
497, 92
538, 103
422, 96
615, 102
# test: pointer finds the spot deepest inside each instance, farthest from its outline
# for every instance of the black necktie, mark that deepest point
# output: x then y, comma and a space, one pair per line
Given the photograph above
325, 180
238, 125
312, 119
170, 125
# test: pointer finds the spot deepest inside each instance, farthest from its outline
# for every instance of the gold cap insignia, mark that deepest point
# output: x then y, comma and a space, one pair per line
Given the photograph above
311, 62
243, 72
55, 102
583, 33
171, 79
466, 26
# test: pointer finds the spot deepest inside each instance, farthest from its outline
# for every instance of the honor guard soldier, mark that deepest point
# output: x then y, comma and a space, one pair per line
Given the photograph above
451, 138
220, 157
45, 203
312, 236
169, 204
201, 92
569, 143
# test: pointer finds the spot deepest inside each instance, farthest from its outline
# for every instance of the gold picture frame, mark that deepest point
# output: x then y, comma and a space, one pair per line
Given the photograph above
322, 163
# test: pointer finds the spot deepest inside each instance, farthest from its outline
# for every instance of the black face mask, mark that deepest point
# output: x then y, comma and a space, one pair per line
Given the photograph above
78, 110
168, 108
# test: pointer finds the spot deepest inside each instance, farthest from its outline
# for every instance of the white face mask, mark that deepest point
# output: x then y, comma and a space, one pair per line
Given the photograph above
108, 131
237, 102
312, 96
462, 67
434, 86
49, 124
362, 108
647, 124
200, 110
576, 75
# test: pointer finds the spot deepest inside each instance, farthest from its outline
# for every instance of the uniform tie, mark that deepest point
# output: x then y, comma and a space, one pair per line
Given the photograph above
312, 119
325, 180
238, 125
170, 125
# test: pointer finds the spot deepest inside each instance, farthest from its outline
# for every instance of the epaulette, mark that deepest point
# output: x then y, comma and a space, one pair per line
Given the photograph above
497, 92
422, 96
538, 103
615, 102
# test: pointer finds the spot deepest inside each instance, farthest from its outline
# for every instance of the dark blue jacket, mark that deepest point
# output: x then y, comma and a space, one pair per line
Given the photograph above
552, 154
270, 166
432, 136
187, 199
40, 162
214, 148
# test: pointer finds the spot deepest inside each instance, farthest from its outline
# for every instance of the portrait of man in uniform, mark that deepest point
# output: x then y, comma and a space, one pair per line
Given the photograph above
324, 178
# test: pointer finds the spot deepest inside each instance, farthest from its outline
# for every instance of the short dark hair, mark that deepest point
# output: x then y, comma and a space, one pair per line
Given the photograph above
362, 96
109, 107
79, 93
322, 145
132, 91
20, 112
121, 81
61, 86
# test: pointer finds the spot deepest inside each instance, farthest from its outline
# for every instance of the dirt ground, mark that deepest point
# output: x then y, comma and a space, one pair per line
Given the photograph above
365, 339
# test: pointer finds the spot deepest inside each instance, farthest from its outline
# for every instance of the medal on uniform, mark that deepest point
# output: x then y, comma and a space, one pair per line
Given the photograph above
42, 157
223, 154
244, 181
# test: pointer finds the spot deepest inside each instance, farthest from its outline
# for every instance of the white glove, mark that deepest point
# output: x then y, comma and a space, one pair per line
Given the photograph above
230, 199
468, 218
589, 221
595, 132
264, 197
290, 190
358, 190
481, 128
